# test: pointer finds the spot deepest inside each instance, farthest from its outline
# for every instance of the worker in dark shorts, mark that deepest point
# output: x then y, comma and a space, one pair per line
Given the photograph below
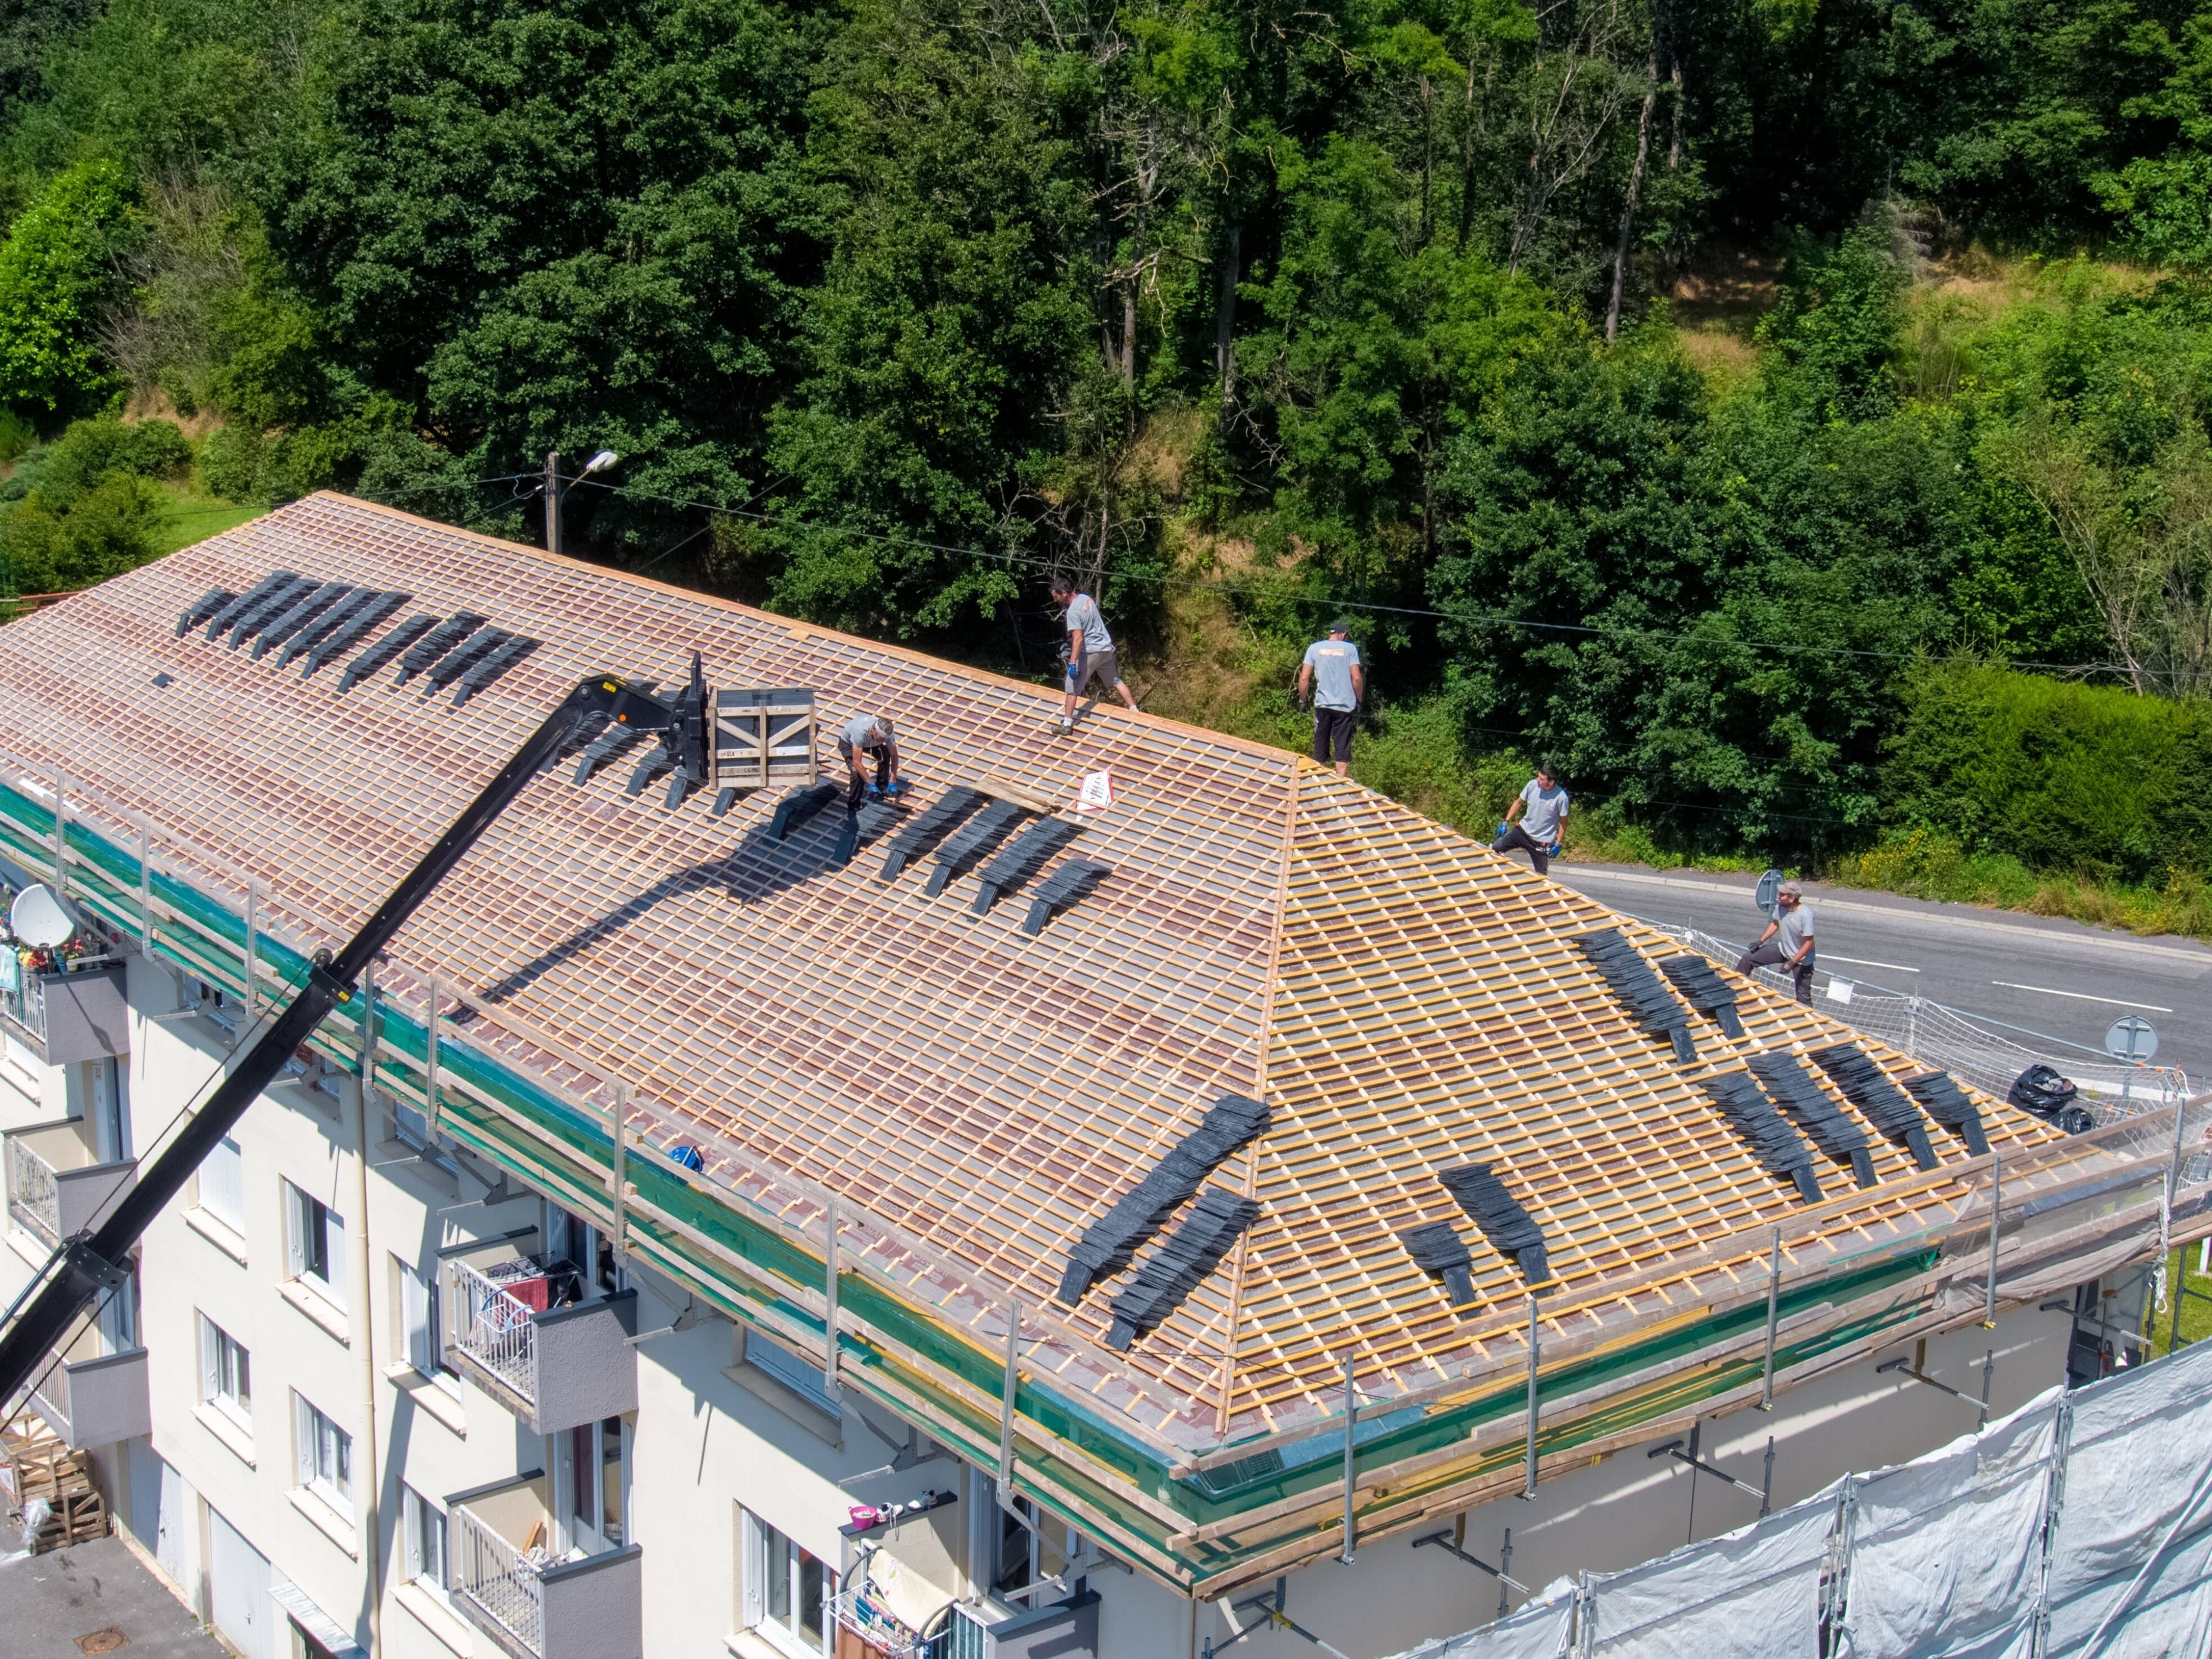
1332, 679
1786, 944
1536, 822
1090, 652
862, 737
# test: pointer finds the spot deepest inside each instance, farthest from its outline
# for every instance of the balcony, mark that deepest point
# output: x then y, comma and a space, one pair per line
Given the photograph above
63, 1018
520, 1333
95, 1398
509, 1585
56, 1188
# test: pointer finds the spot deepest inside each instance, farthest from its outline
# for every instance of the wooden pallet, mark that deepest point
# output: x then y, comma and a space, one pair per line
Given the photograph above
40, 1472
74, 1518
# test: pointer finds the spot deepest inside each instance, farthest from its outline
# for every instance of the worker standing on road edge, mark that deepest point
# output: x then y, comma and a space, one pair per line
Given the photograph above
1331, 675
1090, 651
1787, 943
1543, 830
863, 735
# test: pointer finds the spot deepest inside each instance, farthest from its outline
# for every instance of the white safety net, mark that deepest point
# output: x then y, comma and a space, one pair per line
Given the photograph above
1752, 1594
2129, 1572
2078, 1528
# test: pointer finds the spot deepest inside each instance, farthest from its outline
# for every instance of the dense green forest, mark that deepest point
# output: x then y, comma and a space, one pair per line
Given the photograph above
1248, 312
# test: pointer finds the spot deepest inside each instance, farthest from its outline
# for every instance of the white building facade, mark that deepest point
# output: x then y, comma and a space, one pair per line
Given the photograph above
387, 1401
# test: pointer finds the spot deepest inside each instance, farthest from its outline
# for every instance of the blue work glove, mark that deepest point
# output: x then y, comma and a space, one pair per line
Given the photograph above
1502, 828
1553, 851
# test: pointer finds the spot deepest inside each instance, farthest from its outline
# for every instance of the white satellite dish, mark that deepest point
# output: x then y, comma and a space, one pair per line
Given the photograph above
38, 918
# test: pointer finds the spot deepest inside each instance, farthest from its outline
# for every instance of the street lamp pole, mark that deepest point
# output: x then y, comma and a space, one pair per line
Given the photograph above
555, 491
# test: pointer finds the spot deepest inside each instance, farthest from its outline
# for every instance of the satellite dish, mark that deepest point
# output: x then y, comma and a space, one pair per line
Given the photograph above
38, 918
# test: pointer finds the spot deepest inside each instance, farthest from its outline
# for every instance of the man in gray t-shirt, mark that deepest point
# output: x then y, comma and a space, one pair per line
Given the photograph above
1786, 944
1332, 677
1090, 651
860, 736
1536, 822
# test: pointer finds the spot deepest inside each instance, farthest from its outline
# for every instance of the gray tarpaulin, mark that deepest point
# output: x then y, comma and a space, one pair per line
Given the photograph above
1752, 1594
1539, 1629
2134, 1542
1946, 1551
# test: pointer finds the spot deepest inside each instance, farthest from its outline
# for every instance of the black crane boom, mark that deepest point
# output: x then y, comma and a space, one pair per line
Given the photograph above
93, 1261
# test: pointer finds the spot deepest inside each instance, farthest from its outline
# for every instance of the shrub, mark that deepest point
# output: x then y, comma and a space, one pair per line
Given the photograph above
54, 542
54, 267
2055, 774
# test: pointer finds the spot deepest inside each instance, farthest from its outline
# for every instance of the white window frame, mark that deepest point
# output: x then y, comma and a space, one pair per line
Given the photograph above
222, 1184
429, 1544
305, 1215
226, 1373
422, 1333
805, 1381
767, 1553
324, 1455
107, 1108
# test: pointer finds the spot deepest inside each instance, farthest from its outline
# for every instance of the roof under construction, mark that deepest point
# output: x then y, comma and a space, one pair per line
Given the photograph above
1390, 1003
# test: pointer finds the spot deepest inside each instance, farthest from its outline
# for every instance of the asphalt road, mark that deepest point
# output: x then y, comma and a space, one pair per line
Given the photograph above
2059, 978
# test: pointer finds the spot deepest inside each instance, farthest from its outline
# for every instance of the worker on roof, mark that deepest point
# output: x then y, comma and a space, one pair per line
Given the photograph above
864, 735
1536, 822
1090, 651
1786, 944
1332, 682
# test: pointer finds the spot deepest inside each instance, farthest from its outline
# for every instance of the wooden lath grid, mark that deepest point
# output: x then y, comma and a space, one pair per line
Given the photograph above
990, 1093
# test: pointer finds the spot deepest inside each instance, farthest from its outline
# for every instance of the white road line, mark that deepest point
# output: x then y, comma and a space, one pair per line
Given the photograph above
2078, 996
1947, 918
1860, 962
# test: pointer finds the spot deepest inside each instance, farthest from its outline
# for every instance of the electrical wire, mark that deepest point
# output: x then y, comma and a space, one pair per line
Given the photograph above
1487, 618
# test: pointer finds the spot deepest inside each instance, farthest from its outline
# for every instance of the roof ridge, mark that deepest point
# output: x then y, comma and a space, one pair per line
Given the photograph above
797, 625
1238, 1271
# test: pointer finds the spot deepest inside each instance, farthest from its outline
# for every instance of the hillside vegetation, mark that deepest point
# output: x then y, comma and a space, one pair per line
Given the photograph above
1789, 416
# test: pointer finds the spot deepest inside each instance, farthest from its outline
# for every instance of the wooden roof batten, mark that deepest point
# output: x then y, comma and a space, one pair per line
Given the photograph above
1403, 1000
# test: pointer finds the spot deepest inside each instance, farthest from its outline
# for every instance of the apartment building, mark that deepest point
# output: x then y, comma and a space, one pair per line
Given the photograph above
709, 1235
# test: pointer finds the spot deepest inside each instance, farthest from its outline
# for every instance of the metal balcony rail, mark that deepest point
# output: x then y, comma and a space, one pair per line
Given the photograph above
25, 1002
34, 1194
505, 1583
492, 1325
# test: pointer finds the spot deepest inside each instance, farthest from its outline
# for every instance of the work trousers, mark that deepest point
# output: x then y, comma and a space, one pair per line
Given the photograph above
1769, 955
1517, 839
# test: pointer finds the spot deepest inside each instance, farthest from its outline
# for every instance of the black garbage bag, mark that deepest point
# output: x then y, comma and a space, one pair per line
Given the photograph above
2041, 1090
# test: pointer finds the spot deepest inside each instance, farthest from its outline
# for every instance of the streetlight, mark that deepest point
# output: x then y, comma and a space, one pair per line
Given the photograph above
556, 491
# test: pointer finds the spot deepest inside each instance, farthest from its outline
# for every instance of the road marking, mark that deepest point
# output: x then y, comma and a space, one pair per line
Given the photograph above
1860, 962
1921, 912
2148, 1007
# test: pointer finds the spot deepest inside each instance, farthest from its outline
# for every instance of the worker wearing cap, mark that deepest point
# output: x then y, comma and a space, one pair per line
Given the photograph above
863, 735
1332, 679
1786, 944
1090, 651
1536, 822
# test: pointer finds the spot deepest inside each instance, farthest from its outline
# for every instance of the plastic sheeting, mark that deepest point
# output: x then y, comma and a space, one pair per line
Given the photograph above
1752, 1594
1538, 1630
2078, 1528
1946, 1551
2131, 1558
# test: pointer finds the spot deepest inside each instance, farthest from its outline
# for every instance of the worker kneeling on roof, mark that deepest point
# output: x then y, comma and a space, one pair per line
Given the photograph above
863, 735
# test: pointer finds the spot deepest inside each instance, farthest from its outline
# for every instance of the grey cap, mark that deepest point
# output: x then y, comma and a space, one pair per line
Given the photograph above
1340, 626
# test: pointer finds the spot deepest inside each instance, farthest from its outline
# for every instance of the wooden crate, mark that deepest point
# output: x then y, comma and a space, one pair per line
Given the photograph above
76, 1517
762, 737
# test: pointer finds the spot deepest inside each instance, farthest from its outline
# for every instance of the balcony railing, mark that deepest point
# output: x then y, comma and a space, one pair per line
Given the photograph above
66, 1017
503, 1582
492, 1325
510, 1585
56, 1187
554, 1366
93, 1399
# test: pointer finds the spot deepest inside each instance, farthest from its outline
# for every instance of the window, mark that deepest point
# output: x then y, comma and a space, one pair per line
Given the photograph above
786, 1590
325, 1457
597, 1483
226, 1372
107, 1105
222, 1185
317, 1245
787, 1368
212, 1001
118, 1315
426, 1541
422, 1323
